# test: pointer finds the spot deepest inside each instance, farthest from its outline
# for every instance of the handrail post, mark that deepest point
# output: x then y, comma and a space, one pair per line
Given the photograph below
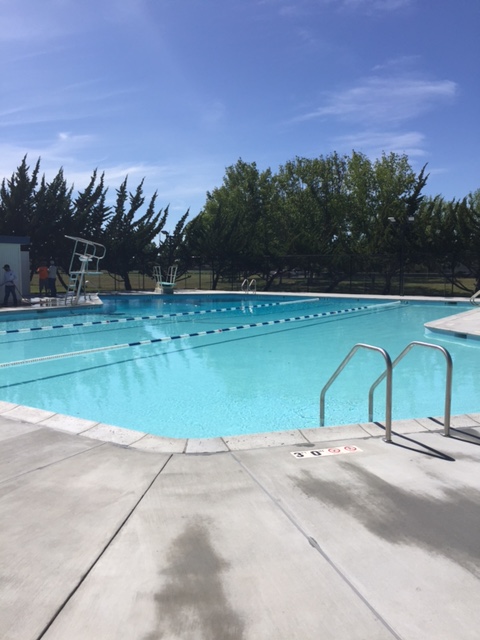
448, 393
448, 383
473, 299
388, 373
388, 400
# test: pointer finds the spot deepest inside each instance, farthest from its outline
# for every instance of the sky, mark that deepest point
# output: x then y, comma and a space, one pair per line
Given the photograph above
175, 91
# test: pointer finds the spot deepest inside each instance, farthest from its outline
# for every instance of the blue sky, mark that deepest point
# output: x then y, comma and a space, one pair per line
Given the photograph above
174, 91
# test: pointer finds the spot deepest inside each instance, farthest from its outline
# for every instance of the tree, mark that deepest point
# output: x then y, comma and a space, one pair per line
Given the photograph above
52, 212
232, 233
172, 249
90, 213
17, 200
130, 241
384, 197
314, 201
467, 236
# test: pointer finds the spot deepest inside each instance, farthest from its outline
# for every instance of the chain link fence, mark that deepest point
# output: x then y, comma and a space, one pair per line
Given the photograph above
418, 275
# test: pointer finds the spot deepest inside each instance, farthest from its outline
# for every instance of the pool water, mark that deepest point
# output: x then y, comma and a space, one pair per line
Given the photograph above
207, 366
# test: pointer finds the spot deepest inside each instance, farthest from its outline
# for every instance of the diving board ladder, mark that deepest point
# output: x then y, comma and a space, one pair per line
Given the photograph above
85, 261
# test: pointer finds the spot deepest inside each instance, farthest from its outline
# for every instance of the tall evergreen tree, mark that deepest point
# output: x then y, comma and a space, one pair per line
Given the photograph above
50, 222
90, 213
129, 239
17, 200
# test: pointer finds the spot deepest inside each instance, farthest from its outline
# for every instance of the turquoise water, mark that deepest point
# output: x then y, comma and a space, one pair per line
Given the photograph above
247, 377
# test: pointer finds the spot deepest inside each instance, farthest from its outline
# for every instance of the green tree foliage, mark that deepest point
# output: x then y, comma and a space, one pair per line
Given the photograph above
17, 200
52, 211
130, 239
330, 212
450, 237
90, 211
172, 249
47, 212
332, 215
234, 230
314, 201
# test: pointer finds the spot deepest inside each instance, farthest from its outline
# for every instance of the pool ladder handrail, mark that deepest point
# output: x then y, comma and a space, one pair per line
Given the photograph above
249, 287
388, 374
473, 299
448, 381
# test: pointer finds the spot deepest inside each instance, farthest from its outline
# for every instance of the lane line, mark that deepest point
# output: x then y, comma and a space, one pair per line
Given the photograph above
182, 336
94, 323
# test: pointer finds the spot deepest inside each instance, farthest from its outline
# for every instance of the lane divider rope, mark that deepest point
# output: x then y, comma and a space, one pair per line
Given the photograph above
95, 323
182, 336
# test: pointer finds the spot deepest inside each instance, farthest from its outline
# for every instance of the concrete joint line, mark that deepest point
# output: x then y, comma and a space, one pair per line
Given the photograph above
313, 543
102, 552
51, 464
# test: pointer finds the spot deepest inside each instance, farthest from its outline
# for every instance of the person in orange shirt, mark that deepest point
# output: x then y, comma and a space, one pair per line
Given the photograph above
42, 278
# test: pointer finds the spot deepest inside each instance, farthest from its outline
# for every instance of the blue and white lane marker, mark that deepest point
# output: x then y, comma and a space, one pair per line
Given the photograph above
161, 316
126, 345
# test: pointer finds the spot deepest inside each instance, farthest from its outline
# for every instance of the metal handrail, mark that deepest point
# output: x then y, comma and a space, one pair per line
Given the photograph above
249, 287
89, 251
448, 383
473, 299
388, 395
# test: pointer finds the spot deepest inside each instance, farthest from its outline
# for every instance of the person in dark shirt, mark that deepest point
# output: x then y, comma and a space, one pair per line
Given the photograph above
9, 281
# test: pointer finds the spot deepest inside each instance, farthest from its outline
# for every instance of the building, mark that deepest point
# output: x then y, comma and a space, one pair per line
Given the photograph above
14, 251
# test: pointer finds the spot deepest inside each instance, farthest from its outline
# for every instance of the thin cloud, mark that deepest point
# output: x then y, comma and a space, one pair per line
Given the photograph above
31, 21
377, 5
384, 100
178, 184
398, 65
289, 8
374, 143
66, 102
213, 114
34, 22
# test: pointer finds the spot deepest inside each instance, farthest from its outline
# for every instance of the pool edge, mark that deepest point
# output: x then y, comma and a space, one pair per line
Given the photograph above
296, 438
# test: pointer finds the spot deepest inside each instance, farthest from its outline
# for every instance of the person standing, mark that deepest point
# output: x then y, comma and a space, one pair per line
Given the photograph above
52, 278
42, 278
9, 282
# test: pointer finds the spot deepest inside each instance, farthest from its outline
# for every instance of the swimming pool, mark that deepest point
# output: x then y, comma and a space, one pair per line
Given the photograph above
204, 366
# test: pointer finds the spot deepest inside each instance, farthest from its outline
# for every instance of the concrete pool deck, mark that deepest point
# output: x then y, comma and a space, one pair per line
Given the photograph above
375, 541
113, 534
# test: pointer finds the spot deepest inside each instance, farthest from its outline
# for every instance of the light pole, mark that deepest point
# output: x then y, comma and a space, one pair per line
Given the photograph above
168, 241
403, 230
199, 270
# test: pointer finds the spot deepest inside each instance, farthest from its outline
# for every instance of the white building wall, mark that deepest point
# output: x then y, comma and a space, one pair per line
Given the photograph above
24, 276
19, 262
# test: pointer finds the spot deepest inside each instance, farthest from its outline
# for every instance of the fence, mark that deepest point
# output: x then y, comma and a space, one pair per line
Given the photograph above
377, 275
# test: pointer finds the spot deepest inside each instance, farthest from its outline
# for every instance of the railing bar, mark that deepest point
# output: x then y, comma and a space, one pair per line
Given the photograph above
388, 373
448, 383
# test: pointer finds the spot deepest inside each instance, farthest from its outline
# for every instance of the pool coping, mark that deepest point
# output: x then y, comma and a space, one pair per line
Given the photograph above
298, 438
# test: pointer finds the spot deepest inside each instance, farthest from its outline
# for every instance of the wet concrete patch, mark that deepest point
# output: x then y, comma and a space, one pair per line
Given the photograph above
193, 602
446, 525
